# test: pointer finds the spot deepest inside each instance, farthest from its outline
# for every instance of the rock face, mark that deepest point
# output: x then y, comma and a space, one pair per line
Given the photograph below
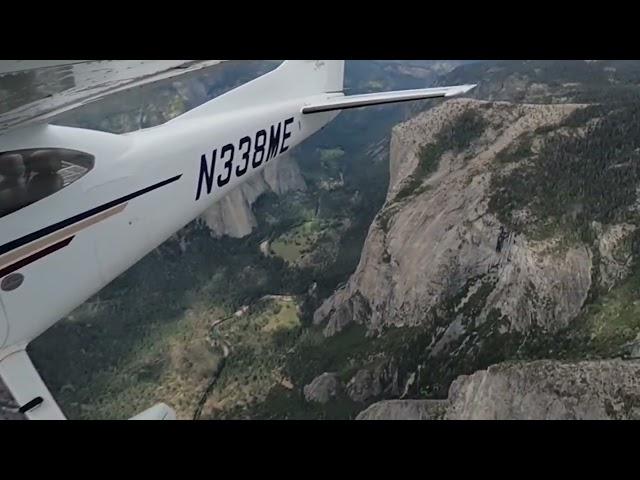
233, 216
597, 390
443, 241
323, 388
540, 390
405, 410
465, 274
368, 384
363, 386
615, 262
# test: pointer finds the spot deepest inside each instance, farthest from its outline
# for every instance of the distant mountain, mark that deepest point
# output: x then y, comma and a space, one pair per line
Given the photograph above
550, 81
374, 75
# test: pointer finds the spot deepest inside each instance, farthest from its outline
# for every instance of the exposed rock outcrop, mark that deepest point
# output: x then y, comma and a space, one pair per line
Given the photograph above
440, 242
363, 386
405, 410
615, 252
369, 383
541, 390
476, 279
233, 215
323, 388
590, 390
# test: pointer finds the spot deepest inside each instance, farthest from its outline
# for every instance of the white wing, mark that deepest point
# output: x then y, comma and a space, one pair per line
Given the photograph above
354, 101
35, 91
11, 66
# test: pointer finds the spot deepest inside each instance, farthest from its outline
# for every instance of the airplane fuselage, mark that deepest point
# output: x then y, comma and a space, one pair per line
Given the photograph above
144, 187
79, 207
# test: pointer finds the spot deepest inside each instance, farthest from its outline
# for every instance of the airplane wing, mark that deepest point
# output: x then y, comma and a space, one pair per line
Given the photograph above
355, 101
38, 91
11, 66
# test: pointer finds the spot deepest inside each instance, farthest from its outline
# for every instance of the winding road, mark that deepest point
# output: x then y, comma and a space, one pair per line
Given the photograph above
226, 350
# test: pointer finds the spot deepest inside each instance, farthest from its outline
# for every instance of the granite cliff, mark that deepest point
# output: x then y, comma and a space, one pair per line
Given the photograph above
540, 390
233, 215
509, 232
436, 238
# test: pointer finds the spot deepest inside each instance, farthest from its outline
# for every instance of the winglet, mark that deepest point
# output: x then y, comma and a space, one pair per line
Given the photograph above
460, 90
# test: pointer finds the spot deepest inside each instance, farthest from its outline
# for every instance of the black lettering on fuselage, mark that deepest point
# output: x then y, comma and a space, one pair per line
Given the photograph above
245, 156
227, 165
206, 173
252, 150
286, 135
274, 142
258, 148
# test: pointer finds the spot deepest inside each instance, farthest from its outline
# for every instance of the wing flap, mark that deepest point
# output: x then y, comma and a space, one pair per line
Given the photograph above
369, 99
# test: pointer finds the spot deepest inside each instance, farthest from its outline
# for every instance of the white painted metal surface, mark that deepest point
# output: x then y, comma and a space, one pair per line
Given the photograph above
144, 186
369, 99
25, 384
159, 411
11, 66
38, 95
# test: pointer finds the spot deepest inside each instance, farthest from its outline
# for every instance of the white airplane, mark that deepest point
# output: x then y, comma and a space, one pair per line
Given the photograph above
78, 207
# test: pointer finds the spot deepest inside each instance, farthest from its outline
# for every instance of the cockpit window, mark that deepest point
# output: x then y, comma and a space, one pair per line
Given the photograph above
27, 176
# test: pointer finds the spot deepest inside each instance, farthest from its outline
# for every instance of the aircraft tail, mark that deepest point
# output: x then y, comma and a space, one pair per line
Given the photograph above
292, 79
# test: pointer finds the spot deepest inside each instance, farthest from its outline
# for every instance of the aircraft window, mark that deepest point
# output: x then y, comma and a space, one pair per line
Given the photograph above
27, 176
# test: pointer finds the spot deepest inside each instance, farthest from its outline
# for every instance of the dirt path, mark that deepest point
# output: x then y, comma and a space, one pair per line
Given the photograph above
226, 350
